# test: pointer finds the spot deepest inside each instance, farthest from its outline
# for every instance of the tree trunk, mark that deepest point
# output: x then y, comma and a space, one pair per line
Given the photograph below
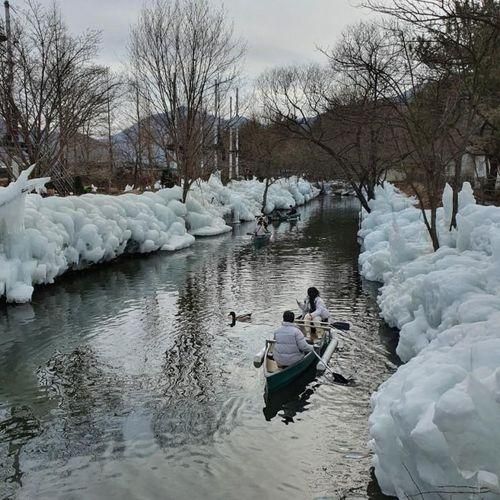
433, 229
370, 189
185, 189
264, 198
456, 187
110, 145
491, 177
360, 196
136, 168
432, 224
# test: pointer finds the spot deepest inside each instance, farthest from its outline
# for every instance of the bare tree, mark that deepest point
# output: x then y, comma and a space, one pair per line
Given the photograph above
321, 106
298, 99
183, 48
115, 91
263, 153
460, 39
55, 90
359, 62
435, 14
431, 127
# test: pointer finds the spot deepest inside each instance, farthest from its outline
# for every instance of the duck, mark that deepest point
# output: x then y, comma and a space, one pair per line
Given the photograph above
241, 317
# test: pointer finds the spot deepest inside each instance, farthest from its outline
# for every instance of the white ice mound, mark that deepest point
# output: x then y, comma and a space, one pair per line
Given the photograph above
41, 238
435, 422
242, 200
393, 234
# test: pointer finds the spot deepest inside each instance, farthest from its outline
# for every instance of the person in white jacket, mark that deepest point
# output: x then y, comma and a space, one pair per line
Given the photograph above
261, 226
313, 308
291, 345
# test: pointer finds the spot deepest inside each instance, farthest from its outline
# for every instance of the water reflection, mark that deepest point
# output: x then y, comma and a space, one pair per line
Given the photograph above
291, 400
129, 375
188, 409
16, 430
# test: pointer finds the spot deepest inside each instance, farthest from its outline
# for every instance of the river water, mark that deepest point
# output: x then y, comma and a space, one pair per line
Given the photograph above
126, 380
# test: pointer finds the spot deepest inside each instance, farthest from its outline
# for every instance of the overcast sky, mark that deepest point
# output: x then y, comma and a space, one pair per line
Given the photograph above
277, 32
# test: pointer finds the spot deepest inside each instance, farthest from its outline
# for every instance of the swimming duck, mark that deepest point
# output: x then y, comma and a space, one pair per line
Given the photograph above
240, 317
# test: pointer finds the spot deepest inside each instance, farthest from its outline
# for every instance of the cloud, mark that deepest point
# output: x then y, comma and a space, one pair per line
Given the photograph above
277, 32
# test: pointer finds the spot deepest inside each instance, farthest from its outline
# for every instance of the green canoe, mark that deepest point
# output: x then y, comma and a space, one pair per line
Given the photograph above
261, 239
277, 378
285, 218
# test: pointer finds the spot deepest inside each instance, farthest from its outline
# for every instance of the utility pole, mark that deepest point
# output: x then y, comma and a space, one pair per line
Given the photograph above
11, 128
138, 152
202, 135
230, 138
216, 125
237, 141
110, 135
9, 46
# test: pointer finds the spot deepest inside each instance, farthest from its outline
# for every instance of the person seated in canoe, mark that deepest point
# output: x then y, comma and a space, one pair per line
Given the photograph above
292, 211
261, 227
274, 215
291, 345
313, 308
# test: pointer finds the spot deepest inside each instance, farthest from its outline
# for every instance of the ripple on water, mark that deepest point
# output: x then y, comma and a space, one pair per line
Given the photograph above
127, 379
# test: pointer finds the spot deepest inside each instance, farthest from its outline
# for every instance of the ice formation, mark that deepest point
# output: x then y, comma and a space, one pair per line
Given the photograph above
41, 238
242, 200
435, 423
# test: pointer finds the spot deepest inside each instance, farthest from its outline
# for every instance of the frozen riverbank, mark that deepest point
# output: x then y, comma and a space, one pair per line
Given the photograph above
41, 238
435, 422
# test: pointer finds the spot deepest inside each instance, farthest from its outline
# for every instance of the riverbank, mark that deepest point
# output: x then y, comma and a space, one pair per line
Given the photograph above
434, 424
42, 238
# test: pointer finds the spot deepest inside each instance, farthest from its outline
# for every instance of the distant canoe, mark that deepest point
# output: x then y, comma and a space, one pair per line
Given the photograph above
261, 239
285, 218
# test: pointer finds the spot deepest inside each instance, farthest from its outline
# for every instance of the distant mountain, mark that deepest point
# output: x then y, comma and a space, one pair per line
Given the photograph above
96, 148
126, 139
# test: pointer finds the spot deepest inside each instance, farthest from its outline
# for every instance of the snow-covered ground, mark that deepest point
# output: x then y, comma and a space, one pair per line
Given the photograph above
41, 238
435, 425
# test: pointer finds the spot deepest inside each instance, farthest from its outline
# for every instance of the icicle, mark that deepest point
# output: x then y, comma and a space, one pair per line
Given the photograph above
12, 200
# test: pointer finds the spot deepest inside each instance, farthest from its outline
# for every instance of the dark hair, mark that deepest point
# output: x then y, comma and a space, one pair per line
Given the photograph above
288, 316
312, 293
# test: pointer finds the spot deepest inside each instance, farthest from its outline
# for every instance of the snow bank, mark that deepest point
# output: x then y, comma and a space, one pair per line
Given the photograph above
435, 422
74, 232
41, 238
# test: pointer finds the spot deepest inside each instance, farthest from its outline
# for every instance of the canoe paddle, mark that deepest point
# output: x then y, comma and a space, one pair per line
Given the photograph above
337, 377
341, 325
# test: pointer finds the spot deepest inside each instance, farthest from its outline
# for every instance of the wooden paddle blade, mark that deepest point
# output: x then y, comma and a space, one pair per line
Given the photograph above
341, 325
